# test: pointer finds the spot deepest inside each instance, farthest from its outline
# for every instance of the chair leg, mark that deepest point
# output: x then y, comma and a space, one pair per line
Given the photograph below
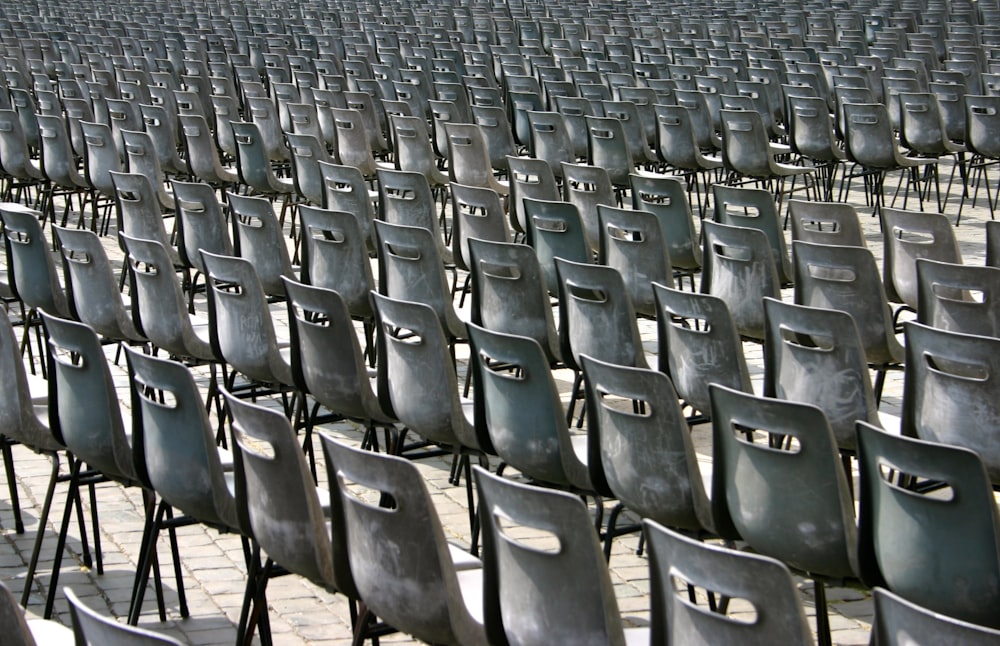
823, 636
15, 501
43, 519
71, 496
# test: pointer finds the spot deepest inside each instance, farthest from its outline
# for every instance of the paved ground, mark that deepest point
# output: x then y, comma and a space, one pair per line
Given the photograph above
301, 613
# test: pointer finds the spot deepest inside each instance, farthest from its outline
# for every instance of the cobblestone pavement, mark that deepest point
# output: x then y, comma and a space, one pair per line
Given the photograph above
301, 613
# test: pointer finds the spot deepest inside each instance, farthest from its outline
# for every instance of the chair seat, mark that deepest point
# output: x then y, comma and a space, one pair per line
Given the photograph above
462, 559
470, 582
50, 632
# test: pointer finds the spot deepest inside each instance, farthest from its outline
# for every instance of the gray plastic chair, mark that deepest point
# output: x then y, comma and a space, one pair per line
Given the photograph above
948, 391
907, 236
31, 269
958, 298
531, 178
898, 620
834, 223
300, 530
847, 279
555, 230
633, 243
200, 224
91, 628
327, 360
550, 139
142, 159
406, 198
139, 212
476, 212
346, 190
754, 208
159, 310
91, 289
418, 384
242, 330
202, 158
18, 630
532, 595
938, 551
814, 355
306, 152
254, 163
643, 453
176, 456
522, 413
411, 269
85, 416
414, 152
587, 187
258, 238
698, 345
739, 268
469, 158
666, 198
429, 595
508, 293
608, 148
763, 582
808, 521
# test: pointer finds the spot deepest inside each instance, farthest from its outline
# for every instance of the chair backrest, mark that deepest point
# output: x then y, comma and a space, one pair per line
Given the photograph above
531, 178
469, 157
202, 157
948, 390
754, 208
346, 190
410, 268
532, 594
739, 268
335, 256
608, 148
405, 197
253, 165
555, 230
509, 295
898, 620
834, 223
522, 412
174, 444
810, 532
982, 118
242, 331
32, 270
492, 121
869, 138
423, 597
588, 186
847, 278
306, 151
259, 238
412, 143
101, 156
666, 198
698, 345
159, 311
550, 139
85, 412
909, 235
91, 289
200, 223
958, 298
812, 129
476, 212
139, 211
423, 388
596, 316
291, 527
641, 445
633, 243
939, 551
762, 582
327, 360
93, 628
21, 419
815, 356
